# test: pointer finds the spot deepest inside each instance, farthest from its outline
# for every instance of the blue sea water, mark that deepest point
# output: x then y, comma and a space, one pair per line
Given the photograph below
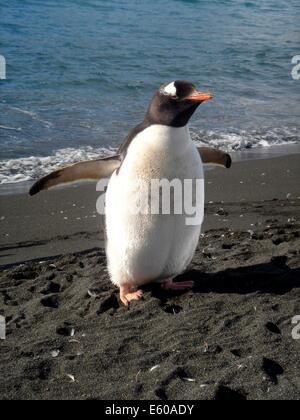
81, 72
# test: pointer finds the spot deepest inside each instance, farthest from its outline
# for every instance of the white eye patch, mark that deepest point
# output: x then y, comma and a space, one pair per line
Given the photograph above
170, 90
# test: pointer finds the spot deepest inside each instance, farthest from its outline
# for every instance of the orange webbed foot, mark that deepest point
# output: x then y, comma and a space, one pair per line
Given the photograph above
126, 296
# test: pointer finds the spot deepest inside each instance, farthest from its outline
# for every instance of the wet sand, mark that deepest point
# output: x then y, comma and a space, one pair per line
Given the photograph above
229, 338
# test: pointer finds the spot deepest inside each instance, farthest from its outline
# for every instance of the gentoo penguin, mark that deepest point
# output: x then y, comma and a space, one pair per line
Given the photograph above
146, 248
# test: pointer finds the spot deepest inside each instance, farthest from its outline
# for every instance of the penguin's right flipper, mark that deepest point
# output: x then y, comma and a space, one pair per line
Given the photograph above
89, 170
215, 157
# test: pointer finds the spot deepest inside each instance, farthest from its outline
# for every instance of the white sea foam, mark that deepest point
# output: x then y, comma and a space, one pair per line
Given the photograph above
245, 140
32, 168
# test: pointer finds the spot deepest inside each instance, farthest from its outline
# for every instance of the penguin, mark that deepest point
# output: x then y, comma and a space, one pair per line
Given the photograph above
145, 248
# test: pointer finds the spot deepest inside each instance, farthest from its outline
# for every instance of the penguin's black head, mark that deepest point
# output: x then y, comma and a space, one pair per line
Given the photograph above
175, 103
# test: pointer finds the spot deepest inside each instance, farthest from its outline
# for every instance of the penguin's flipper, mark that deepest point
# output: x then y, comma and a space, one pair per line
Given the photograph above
89, 170
215, 157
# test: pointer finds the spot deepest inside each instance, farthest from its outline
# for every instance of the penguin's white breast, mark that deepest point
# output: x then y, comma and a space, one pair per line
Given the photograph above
155, 151
144, 245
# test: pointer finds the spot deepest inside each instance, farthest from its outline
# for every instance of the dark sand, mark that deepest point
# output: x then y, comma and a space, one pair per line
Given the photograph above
229, 338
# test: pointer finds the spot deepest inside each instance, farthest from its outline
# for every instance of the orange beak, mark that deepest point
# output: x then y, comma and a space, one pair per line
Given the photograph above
200, 97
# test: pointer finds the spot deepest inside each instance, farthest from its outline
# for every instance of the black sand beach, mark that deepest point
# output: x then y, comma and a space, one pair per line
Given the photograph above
230, 338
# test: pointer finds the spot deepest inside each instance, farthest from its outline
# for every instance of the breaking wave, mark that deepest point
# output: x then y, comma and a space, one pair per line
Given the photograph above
31, 168
245, 140
34, 167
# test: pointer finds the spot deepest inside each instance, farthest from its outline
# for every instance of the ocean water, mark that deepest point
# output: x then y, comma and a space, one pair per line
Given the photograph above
80, 74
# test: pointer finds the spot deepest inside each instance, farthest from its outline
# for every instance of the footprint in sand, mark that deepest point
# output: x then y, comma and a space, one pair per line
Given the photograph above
272, 369
224, 393
52, 288
66, 330
51, 302
273, 328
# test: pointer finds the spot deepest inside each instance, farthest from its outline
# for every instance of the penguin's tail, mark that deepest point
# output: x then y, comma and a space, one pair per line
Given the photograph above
91, 170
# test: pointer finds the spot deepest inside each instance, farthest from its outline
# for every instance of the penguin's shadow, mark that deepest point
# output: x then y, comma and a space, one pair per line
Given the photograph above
273, 278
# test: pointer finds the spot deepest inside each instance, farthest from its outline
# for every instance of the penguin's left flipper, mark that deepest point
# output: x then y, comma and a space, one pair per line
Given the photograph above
215, 157
90, 170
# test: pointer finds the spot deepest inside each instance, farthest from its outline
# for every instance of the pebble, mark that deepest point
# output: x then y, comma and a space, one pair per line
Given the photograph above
71, 377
